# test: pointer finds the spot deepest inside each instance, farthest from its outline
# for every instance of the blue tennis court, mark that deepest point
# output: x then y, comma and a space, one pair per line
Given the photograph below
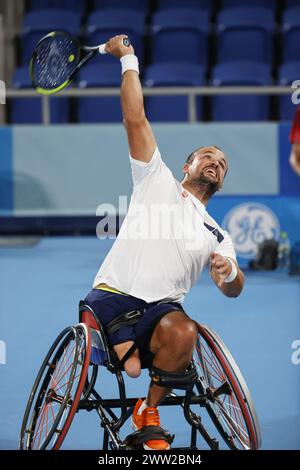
195, 149
41, 285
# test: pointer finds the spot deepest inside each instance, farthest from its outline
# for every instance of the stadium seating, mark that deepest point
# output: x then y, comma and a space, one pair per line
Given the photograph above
59, 107
37, 23
201, 4
172, 108
271, 4
240, 108
71, 5
288, 72
178, 29
292, 3
105, 24
100, 109
291, 34
245, 34
139, 5
180, 33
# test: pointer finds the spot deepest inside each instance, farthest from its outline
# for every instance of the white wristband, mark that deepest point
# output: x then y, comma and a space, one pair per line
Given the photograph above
129, 62
231, 277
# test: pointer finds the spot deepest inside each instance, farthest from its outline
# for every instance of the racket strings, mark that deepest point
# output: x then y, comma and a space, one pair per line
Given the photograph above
55, 60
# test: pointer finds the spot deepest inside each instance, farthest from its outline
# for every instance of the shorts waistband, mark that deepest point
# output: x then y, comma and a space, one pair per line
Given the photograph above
109, 289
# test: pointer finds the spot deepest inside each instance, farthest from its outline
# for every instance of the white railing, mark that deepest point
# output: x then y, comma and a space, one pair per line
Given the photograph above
190, 92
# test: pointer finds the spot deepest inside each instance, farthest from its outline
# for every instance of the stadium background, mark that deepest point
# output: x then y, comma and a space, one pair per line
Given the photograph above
53, 177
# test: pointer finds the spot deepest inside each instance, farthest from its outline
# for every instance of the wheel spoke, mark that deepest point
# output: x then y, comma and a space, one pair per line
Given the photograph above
58, 379
213, 375
200, 358
47, 420
231, 423
214, 364
208, 361
58, 366
63, 375
61, 386
41, 433
52, 412
240, 414
52, 419
39, 420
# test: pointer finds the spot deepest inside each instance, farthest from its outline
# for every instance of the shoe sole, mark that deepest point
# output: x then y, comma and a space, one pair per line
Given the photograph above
135, 428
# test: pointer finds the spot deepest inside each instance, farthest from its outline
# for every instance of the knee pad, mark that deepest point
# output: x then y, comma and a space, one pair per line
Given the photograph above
183, 381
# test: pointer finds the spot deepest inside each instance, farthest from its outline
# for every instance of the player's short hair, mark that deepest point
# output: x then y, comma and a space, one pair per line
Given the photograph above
192, 155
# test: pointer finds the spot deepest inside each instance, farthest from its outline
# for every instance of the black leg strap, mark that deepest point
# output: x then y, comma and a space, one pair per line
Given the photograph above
128, 354
125, 319
182, 381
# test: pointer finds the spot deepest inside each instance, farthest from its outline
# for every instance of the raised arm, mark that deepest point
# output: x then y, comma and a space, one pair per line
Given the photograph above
295, 158
140, 136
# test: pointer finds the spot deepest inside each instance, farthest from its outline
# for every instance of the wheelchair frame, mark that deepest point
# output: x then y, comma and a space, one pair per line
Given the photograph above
105, 406
87, 398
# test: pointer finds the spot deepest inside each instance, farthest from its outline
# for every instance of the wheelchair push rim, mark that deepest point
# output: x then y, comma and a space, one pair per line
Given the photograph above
228, 399
57, 390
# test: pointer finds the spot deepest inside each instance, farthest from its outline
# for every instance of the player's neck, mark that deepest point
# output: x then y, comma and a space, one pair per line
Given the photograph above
200, 191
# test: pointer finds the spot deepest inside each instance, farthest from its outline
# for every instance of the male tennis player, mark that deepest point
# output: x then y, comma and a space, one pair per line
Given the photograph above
151, 274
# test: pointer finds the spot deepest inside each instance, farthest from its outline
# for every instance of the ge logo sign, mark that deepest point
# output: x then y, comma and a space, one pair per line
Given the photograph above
248, 225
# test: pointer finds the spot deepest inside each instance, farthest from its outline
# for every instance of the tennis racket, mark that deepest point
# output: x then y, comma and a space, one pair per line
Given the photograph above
56, 60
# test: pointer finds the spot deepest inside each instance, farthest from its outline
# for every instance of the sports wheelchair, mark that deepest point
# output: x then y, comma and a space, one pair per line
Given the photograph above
65, 384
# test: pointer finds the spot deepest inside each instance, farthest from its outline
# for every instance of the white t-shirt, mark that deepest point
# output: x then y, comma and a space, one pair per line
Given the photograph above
165, 240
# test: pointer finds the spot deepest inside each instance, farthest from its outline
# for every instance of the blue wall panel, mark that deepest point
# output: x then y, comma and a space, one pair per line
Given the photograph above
6, 170
67, 170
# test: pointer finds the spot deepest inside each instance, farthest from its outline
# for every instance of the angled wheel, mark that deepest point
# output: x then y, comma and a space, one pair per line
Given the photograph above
57, 390
228, 399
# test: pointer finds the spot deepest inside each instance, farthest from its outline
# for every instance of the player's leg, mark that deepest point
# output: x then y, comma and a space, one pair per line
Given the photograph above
133, 364
172, 344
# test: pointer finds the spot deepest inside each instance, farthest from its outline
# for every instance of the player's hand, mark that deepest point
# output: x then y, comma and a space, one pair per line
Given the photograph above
220, 266
116, 47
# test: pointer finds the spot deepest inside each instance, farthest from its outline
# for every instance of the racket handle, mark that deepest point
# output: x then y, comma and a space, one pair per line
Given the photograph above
102, 50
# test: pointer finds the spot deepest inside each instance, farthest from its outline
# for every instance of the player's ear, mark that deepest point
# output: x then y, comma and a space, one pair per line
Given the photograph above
185, 168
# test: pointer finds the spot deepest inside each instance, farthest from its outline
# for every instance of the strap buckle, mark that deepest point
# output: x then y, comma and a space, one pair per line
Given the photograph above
133, 315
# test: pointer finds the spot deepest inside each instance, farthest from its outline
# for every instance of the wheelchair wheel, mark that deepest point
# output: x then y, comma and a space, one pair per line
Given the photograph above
228, 399
57, 390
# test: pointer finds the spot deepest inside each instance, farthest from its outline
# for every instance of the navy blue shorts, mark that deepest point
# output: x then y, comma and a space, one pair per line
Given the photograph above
109, 305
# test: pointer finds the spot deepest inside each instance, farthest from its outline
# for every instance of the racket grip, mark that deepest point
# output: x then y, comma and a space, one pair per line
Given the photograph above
102, 49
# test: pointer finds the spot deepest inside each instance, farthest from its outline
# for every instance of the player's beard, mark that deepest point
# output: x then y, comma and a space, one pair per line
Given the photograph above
205, 182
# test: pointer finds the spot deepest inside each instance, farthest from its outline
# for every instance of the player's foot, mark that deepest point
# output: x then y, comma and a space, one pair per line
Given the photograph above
148, 417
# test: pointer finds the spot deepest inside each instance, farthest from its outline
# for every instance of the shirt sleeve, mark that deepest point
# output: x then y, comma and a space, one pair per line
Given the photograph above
153, 169
226, 247
295, 131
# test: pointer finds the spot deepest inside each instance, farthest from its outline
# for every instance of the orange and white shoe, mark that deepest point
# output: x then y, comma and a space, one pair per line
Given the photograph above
148, 417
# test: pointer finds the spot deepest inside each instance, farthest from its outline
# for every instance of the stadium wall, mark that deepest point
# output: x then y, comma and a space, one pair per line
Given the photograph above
59, 172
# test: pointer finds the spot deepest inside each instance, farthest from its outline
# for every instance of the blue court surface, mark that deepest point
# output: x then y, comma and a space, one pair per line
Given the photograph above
40, 288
